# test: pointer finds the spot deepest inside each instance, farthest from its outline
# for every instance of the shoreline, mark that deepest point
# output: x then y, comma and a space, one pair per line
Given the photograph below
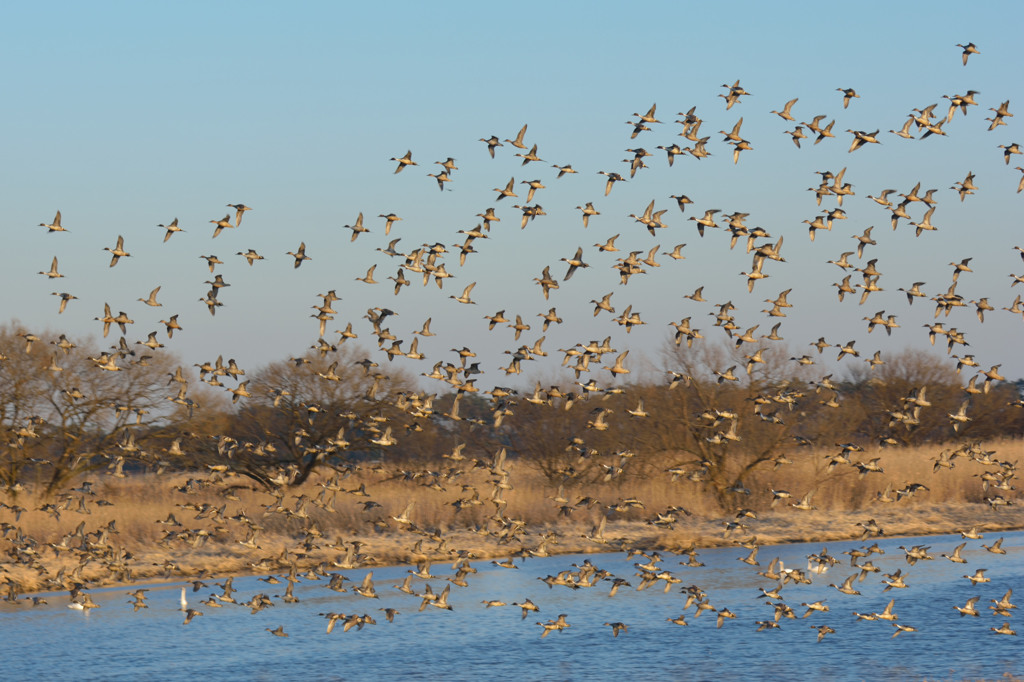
393, 548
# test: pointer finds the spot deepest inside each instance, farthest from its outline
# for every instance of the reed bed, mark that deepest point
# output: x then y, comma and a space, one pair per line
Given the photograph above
182, 525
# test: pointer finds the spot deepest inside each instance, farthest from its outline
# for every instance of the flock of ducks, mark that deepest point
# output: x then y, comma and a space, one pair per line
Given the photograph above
650, 572
429, 263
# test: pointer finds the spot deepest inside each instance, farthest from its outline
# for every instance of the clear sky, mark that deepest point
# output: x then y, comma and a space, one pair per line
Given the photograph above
124, 116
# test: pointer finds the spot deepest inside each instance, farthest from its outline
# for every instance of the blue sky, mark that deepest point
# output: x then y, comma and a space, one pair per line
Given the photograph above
127, 115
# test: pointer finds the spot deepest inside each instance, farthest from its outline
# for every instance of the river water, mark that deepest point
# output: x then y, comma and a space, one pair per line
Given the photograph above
473, 642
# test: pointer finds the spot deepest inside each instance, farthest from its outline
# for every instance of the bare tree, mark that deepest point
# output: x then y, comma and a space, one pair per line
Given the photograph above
316, 411
66, 409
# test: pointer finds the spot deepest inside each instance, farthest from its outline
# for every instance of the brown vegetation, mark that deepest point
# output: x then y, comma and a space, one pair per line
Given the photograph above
117, 474
176, 526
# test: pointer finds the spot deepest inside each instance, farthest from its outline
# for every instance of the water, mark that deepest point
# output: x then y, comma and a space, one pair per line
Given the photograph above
473, 642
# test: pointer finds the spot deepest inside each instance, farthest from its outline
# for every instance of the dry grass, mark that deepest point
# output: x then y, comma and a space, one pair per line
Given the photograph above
842, 498
842, 489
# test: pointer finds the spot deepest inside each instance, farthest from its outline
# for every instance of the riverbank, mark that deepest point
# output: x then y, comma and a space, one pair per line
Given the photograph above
110, 530
277, 554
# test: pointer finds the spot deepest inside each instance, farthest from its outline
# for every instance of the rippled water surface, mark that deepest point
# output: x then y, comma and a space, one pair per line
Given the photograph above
475, 642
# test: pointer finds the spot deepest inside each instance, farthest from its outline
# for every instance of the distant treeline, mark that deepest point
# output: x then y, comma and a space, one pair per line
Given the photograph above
65, 411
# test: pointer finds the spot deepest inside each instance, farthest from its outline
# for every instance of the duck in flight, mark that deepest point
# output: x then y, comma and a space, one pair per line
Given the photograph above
404, 161
118, 252
55, 226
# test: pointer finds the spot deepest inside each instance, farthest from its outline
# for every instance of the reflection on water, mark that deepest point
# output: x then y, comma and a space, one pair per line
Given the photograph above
475, 642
